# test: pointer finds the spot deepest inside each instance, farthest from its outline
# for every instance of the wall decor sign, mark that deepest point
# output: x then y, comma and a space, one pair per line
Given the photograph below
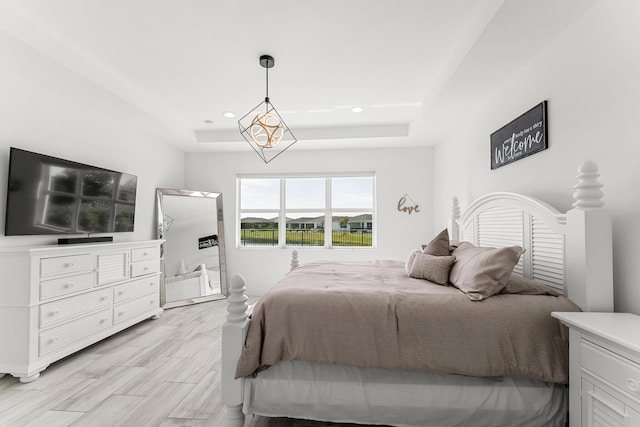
520, 138
406, 204
208, 242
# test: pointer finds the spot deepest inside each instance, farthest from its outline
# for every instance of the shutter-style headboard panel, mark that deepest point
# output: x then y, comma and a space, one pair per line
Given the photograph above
547, 255
502, 226
570, 252
509, 219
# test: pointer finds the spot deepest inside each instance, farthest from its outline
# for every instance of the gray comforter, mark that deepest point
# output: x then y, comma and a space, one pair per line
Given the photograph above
372, 315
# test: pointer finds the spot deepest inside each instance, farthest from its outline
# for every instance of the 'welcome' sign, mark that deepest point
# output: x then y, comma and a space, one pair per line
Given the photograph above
522, 137
208, 241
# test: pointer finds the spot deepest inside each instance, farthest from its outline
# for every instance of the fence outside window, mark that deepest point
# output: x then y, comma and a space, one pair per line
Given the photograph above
299, 238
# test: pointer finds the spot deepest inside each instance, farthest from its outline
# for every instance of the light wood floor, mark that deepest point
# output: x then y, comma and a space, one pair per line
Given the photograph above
163, 372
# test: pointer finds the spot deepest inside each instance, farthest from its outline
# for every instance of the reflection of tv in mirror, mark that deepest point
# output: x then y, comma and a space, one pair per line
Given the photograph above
48, 195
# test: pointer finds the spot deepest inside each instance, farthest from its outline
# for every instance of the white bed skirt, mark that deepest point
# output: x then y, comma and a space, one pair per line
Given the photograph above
350, 394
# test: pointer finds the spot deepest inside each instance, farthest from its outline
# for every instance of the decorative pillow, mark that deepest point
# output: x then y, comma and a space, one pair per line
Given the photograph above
525, 286
409, 262
482, 272
439, 246
432, 268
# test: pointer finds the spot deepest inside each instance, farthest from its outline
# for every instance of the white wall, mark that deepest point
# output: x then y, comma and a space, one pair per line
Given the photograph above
40, 111
590, 77
398, 171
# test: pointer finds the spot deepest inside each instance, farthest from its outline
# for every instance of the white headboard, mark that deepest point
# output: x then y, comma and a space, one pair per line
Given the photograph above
571, 252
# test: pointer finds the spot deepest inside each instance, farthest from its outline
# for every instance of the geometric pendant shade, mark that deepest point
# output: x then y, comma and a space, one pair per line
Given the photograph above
263, 128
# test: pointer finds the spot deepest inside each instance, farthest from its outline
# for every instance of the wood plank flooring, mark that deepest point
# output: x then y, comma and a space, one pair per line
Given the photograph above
163, 372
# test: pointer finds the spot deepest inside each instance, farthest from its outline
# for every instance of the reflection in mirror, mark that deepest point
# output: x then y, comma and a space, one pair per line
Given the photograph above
191, 224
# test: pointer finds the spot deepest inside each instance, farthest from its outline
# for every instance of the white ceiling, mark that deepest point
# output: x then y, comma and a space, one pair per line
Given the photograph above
169, 66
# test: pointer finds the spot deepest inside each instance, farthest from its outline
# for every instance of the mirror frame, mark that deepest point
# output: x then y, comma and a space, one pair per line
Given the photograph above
160, 234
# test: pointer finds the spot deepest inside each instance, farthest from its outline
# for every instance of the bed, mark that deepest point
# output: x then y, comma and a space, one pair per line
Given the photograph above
346, 371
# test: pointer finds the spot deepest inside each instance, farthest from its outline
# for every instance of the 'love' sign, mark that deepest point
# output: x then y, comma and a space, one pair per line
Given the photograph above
406, 204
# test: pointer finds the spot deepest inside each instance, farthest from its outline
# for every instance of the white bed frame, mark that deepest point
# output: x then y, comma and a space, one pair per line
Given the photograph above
571, 252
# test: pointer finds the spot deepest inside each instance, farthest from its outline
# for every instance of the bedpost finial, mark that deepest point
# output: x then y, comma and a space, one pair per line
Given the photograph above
237, 301
587, 194
455, 208
294, 260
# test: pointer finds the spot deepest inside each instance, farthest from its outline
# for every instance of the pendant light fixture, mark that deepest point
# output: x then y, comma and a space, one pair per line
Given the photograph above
263, 128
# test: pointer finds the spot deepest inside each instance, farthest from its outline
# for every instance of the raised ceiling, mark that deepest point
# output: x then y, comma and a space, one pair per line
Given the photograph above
172, 68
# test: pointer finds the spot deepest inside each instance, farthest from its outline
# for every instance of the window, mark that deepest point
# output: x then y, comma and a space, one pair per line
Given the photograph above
295, 211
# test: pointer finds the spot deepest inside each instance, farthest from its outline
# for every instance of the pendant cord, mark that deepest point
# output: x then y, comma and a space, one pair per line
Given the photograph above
267, 68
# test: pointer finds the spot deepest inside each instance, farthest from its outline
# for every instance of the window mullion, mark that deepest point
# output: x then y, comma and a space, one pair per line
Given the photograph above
328, 224
282, 222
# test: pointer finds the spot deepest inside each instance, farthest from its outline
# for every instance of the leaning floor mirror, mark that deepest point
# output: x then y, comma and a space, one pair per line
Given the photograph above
190, 222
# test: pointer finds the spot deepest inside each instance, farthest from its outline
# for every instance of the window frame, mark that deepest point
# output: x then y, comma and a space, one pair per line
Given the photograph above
327, 210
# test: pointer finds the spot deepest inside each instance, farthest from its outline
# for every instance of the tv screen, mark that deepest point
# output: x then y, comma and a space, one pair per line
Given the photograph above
48, 195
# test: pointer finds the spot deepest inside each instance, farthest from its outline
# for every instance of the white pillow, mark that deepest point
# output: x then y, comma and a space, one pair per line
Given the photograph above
410, 259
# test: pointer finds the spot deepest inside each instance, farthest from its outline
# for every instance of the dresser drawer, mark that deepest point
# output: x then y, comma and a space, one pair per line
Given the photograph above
136, 288
141, 268
59, 337
68, 308
64, 285
616, 370
134, 307
141, 254
64, 265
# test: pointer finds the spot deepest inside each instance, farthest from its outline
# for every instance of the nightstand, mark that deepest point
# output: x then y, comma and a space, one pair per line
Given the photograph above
604, 368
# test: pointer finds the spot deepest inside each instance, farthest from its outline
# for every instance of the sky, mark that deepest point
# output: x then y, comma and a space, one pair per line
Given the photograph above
308, 194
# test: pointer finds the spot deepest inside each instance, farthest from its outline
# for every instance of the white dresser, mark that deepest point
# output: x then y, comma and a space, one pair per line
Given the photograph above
604, 376
56, 300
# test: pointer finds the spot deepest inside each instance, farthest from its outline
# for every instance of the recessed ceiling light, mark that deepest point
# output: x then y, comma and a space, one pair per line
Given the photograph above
228, 114
357, 109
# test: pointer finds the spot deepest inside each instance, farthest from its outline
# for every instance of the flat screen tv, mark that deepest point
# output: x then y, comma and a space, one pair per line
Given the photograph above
48, 195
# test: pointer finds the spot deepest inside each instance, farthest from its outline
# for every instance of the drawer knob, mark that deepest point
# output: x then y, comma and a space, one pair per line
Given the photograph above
68, 285
146, 268
104, 298
633, 384
104, 320
121, 293
121, 313
52, 340
68, 264
54, 313
151, 302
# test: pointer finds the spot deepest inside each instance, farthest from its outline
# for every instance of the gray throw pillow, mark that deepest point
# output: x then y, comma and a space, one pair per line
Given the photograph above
439, 245
525, 286
481, 272
432, 268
